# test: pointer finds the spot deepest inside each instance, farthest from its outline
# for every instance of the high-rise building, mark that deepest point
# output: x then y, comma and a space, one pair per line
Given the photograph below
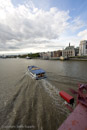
83, 48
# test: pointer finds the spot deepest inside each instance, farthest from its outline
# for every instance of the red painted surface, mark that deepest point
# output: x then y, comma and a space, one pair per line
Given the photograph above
77, 119
66, 96
82, 97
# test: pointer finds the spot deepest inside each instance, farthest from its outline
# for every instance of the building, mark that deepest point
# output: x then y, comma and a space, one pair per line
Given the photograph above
46, 55
76, 51
57, 53
83, 48
68, 51
51, 55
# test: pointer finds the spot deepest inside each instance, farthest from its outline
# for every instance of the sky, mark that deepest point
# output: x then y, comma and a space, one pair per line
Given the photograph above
41, 25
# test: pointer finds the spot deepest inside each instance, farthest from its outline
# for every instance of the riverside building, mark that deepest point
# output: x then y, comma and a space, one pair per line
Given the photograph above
68, 51
83, 48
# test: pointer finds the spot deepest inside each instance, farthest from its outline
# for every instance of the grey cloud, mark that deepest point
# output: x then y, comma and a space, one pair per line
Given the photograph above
12, 47
5, 33
23, 28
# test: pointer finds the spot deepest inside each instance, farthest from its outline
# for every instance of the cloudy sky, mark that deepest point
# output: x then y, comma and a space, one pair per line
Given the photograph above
41, 25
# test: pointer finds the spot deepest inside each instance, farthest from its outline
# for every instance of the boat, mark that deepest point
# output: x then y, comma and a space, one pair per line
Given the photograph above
28, 57
64, 58
36, 73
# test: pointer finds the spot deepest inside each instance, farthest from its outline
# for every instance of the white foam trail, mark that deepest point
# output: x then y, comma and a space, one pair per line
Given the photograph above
51, 89
27, 73
54, 94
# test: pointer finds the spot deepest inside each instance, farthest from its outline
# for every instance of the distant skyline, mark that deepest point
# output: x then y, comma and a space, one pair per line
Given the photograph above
41, 25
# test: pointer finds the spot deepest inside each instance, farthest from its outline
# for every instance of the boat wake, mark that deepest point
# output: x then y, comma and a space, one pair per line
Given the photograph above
36, 104
52, 90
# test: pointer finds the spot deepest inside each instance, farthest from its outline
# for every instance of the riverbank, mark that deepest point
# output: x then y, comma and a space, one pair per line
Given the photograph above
78, 58
66, 59
74, 58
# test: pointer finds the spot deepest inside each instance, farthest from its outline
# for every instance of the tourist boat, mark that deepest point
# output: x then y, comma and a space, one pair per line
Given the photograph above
36, 73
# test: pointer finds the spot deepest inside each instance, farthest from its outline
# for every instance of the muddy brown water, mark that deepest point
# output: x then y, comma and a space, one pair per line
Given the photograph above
26, 103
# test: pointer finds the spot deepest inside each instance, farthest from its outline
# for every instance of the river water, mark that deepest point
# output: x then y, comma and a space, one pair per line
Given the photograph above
26, 103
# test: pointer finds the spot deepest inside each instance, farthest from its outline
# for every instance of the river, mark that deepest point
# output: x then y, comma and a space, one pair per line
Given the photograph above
26, 103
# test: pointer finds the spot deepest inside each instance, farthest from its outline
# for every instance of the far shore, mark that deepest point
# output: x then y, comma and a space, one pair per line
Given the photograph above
75, 58
67, 59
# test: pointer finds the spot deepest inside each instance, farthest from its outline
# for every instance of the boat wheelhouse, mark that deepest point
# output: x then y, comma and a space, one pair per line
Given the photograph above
36, 73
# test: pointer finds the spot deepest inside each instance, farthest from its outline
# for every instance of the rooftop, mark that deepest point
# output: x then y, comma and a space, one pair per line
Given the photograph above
69, 47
